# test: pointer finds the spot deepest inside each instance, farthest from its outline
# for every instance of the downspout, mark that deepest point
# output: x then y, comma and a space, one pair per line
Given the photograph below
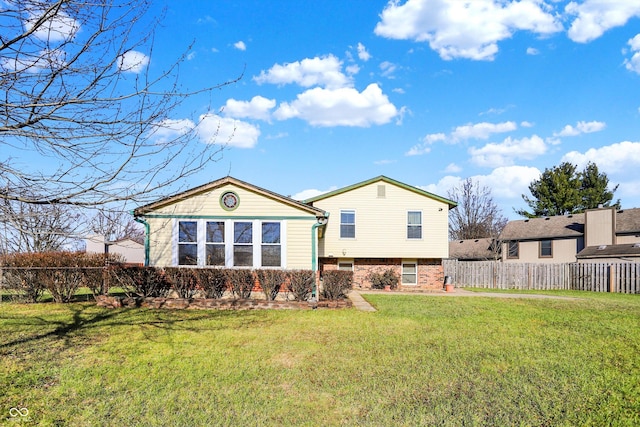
314, 253
146, 237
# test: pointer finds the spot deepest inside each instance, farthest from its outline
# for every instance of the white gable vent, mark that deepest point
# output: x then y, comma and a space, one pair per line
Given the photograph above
382, 191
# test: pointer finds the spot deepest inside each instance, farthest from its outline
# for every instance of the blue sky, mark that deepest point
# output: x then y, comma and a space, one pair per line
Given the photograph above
427, 92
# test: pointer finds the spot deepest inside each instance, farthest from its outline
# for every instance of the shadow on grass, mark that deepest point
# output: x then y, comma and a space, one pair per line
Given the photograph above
86, 321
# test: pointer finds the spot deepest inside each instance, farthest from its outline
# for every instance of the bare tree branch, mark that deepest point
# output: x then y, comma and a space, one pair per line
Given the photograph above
476, 216
84, 120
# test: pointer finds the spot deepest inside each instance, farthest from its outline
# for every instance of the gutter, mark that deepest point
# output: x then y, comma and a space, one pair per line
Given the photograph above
322, 221
147, 229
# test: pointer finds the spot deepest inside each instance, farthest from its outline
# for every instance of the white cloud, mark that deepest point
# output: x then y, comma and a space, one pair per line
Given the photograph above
45, 60
214, 129
505, 153
59, 27
362, 53
312, 192
481, 130
613, 159
452, 168
388, 68
191, 56
594, 17
240, 45
319, 71
526, 124
170, 129
461, 133
427, 142
532, 51
352, 69
340, 107
633, 63
581, 127
133, 62
258, 108
507, 182
457, 29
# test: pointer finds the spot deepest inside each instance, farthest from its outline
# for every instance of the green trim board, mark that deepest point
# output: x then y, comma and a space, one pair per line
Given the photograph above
383, 178
259, 217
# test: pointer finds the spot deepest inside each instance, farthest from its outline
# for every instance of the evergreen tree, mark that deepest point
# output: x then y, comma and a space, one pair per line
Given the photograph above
594, 188
563, 190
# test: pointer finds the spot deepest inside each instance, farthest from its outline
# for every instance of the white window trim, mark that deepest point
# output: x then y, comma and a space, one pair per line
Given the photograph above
421, 225
405, 262
228, 242
355, 217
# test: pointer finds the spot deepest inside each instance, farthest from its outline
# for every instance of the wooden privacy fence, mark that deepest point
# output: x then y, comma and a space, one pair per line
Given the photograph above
596, 277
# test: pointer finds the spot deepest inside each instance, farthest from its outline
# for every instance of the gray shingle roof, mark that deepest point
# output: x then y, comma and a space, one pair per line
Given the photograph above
610, 251
544, 228
472, 249
628, 221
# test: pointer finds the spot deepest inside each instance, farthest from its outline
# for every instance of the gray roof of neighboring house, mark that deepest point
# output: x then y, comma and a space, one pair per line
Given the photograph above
544, 228
472, 249
628, 221
610, 251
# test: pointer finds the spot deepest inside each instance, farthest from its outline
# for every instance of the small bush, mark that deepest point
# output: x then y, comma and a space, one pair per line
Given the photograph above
213, 281
336, 283
386, 278
183, 280
61, 273
271, 281
241, 282
301, 284
140, 281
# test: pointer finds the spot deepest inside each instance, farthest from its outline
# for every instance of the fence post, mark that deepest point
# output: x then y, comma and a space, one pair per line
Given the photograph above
612, 275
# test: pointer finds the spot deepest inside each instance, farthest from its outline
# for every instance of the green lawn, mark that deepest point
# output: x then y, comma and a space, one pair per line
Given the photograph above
419, 360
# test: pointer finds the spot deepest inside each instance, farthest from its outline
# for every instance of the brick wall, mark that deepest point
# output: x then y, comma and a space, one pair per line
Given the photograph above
430, 271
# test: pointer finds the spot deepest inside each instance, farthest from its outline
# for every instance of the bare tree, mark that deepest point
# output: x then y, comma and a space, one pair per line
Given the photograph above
476, 216
36, 228
116, 225
84, 121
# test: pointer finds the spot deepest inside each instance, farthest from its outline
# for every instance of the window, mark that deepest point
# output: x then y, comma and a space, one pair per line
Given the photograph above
271, 250
229, 243
347, 224
414, 225
546, 249
187, 243
514, 250
215, 243
243, 244
409, 273
345, 266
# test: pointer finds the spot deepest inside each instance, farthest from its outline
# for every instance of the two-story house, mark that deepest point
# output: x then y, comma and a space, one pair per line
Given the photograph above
373, 225
596, 235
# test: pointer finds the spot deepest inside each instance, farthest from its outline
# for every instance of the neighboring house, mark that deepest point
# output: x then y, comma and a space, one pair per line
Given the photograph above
373, 225
485, 249
596, 235
382, 224
132, 252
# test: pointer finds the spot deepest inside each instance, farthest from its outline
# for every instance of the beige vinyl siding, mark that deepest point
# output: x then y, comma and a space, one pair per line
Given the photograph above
297, 223
381, 224
599, 226
627, 239
251, 204
564, 250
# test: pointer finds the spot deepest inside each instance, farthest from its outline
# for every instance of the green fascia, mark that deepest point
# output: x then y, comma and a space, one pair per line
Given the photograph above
388, 180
